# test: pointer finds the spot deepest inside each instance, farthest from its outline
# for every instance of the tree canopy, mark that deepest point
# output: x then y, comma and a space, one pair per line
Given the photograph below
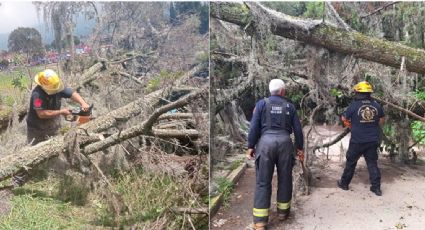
25, 39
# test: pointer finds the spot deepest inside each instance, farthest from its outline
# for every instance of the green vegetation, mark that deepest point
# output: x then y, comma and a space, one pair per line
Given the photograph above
165, 77
418, 131
314, 10
225, 187
235, 164
336, 93
66, 203
17, 78
420, 95
35, 206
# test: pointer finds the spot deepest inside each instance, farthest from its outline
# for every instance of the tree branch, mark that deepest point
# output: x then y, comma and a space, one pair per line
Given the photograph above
408, 112
320, 34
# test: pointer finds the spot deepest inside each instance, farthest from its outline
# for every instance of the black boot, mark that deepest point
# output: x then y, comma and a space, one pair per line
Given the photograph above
341, 186
377, 191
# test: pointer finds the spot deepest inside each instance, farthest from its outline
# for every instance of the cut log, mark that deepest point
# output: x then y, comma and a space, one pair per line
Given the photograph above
316, 33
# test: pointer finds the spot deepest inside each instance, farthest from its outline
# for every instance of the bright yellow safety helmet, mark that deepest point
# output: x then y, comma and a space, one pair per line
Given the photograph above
363, 87
50, 82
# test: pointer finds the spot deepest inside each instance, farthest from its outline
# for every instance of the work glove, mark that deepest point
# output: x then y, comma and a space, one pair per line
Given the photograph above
250, 154
300, 154
345, 122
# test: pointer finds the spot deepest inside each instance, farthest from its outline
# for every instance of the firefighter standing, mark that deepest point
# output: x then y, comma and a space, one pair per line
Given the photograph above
43, 120
364, 116
269, 141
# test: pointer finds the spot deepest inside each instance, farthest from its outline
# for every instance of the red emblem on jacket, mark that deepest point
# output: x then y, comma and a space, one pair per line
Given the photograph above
38, 102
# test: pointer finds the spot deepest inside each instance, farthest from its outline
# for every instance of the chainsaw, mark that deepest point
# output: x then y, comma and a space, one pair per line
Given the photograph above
78, 114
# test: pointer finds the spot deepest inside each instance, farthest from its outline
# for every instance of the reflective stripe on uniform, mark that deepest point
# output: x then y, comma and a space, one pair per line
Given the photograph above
260, 212
283, 206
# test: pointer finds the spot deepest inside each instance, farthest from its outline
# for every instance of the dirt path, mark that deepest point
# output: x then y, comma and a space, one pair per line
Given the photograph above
402, 205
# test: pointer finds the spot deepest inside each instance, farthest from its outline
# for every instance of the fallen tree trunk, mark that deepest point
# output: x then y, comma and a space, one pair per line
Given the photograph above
130, 110
31, 156
316, 33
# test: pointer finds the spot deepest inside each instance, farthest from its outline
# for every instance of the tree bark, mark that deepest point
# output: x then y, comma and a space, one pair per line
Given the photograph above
316, 33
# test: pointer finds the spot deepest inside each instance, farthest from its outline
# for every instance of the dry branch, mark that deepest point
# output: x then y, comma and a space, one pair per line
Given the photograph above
90, 75
334, 141
191, 210
379, 9
175, 116
135, 79
146, 127
401, 109
130, 110
320, 34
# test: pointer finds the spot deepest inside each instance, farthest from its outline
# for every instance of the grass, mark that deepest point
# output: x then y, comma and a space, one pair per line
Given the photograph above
147, 196
35, 206
60, 202
235, 164
225, 187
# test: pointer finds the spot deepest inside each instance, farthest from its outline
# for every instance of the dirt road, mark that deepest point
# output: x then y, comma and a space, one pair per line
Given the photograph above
402, 205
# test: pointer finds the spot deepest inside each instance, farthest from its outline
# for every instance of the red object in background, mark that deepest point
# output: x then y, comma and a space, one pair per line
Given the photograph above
38, 102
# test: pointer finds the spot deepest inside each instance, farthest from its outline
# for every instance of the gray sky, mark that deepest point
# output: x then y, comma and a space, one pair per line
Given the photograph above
17, 14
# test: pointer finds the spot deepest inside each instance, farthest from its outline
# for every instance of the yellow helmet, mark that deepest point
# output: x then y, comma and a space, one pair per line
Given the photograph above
49, 81
363, 87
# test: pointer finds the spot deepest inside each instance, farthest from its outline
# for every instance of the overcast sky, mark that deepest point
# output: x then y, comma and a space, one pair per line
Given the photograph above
17, 14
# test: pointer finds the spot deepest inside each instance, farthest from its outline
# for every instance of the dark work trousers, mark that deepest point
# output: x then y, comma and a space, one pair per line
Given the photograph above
275, 148
369, 151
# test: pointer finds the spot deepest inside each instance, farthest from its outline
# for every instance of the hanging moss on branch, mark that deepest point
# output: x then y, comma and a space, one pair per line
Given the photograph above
321, 34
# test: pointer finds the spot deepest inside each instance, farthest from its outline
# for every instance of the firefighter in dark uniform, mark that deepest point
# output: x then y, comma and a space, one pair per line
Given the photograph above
43, 120
274, 119
363, 116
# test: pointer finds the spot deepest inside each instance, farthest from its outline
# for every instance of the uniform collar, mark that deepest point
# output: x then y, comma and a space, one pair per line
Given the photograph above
277, 96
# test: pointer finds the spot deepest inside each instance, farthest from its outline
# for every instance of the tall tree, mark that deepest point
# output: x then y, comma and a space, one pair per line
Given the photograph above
26, 40
61, 16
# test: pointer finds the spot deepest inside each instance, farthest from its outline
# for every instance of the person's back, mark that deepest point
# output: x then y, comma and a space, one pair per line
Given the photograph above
273, 120
363, 116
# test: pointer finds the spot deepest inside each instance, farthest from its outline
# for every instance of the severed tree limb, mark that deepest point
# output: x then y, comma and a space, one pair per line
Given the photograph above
401, 109
125, 59
130, 110
146, 127
320, 34
135, 79
334, 141
191, 210
173, 133
90, 75
175, 116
